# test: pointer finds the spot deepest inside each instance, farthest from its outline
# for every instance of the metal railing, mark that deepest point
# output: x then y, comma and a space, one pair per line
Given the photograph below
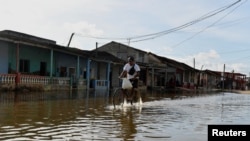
100, 84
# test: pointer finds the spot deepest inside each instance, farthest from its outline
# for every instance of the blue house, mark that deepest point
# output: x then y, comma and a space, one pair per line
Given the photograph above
30, 61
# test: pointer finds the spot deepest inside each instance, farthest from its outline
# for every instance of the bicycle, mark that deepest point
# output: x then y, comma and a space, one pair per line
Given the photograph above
121, 99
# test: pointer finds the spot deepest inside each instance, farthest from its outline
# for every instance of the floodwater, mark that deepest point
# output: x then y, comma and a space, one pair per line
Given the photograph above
88, 116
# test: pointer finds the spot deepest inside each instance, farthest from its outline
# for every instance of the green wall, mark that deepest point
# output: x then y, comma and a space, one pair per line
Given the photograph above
34, 54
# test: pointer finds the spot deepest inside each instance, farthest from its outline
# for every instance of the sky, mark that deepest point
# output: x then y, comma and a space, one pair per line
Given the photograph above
205, 34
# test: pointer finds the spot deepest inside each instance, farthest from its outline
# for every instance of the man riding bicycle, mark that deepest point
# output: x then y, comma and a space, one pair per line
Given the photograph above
131, 70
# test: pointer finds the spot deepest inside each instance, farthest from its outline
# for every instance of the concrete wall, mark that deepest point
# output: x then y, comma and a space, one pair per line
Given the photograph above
35, 56
64, 60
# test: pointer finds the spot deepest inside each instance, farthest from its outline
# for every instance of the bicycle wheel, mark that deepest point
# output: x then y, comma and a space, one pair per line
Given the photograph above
118, 97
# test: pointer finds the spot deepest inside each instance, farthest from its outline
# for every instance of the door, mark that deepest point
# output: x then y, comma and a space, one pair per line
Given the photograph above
43, 67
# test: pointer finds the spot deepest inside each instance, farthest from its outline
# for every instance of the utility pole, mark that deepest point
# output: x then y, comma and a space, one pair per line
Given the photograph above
199, 76
223, 75
129, 41
194, 71
70, 38
96, 46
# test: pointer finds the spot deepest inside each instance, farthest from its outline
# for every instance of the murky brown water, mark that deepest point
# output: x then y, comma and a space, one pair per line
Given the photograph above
91, 116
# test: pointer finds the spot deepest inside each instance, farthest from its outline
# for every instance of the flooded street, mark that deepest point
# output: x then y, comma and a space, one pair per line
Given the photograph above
91, 116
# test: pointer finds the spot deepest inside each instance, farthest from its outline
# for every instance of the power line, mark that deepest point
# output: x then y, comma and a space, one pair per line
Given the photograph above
206, 16
162, 33
104, 38
217, 21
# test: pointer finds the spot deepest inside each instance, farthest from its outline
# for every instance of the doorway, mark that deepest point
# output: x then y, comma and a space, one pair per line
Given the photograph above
43, 66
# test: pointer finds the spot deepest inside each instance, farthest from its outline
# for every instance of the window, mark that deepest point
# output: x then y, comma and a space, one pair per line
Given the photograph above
24, 65
141, 57
63, 71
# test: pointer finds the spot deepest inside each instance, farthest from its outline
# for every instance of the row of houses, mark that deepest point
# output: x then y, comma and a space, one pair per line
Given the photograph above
32, 62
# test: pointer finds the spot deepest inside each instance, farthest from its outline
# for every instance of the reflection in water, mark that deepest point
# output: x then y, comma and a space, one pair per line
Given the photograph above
125, 117
83, 115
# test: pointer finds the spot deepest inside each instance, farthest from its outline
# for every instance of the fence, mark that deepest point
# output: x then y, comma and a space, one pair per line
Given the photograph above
9, 81
7, 78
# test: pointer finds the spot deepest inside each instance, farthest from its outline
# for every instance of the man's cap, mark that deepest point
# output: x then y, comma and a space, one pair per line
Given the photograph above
131, 58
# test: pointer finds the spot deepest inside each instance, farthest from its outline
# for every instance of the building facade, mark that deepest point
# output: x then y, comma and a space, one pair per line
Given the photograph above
32, 62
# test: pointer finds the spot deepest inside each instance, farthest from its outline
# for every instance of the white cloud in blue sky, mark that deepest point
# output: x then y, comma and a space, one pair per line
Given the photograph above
218, 40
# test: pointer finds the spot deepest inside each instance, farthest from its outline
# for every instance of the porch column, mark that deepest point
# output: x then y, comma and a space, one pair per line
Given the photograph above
175, 74
189, 76
17, 79
108, 74
166, 75
78, 67
51, 61
88, 72
17, 57
152, 78
184, 77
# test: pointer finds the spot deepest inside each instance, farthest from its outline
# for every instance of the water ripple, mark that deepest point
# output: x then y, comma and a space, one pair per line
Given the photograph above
181, 118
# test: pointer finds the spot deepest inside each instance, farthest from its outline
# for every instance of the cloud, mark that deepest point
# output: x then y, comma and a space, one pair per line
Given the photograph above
57, 20
207, 60
211, 60
83, 28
